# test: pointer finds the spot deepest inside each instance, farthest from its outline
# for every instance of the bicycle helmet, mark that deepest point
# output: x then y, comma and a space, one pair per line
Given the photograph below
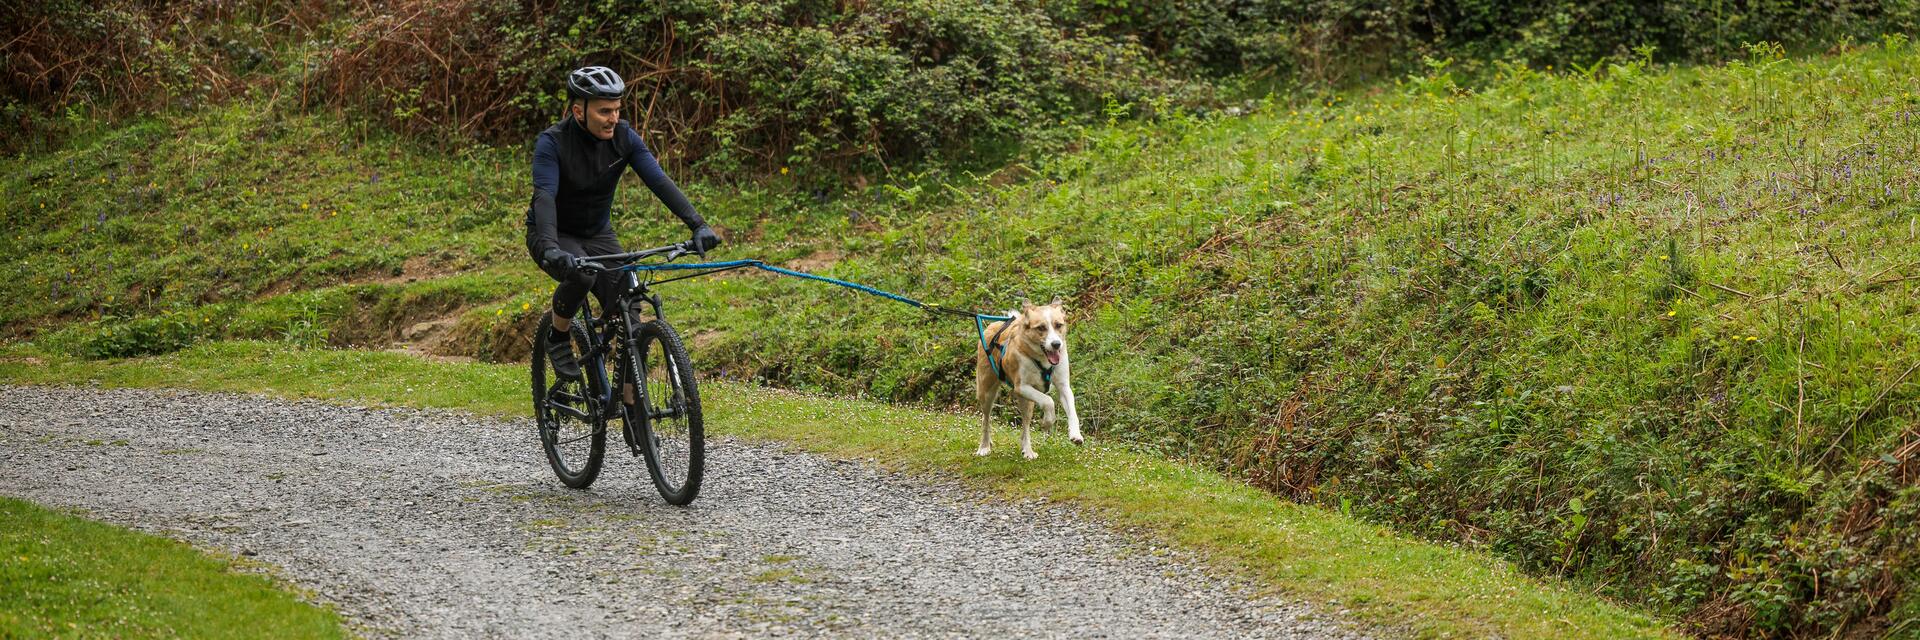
595, 82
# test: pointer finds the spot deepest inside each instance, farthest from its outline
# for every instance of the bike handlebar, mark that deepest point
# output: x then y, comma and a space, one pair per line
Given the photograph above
593, 264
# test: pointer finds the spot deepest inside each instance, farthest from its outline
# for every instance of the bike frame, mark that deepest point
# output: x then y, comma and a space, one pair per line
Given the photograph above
601, 331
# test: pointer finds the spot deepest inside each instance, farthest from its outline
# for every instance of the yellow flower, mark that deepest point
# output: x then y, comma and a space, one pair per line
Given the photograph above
244, 246
1671, 313
1752, 338
525, 306
303, 206
499, 311
783, 171
1663, 257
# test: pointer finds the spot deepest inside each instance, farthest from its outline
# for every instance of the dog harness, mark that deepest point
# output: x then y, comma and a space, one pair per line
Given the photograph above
1046, 372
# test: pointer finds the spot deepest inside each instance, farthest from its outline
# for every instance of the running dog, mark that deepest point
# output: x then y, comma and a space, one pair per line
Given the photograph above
1029, 354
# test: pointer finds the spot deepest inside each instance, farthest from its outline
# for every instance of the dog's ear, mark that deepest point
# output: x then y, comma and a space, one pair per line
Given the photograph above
1024, 305
1055, 303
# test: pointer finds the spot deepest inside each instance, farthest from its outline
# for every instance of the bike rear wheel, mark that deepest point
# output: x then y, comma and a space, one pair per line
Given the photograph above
671, 434
572, 429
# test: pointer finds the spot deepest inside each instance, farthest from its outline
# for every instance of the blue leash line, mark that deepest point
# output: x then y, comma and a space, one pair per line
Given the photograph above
980, 320
734, 264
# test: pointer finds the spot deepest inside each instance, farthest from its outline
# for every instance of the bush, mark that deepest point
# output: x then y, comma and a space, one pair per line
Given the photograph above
846, 86
67, 63
749, 85
1326, 40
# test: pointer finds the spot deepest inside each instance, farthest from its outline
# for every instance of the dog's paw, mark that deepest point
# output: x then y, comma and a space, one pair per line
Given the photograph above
1077, 439
1031, 455
983, 451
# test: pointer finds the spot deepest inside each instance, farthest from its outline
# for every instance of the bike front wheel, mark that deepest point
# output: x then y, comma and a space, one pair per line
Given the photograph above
671, 434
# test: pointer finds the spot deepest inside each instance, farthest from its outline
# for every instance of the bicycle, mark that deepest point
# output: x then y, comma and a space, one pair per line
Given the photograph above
633, 370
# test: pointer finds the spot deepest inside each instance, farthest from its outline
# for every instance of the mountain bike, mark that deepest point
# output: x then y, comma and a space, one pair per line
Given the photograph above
636, 370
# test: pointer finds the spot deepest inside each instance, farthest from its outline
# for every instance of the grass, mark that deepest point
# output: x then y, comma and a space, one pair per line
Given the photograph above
1308, 551
69, 577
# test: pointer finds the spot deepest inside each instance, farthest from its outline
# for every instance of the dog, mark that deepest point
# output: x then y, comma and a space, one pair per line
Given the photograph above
1031, 353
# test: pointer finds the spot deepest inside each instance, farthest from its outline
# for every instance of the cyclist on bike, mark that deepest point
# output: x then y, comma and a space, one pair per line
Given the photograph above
577, 163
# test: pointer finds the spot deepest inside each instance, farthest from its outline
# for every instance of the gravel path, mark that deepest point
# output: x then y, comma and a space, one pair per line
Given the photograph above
440, 524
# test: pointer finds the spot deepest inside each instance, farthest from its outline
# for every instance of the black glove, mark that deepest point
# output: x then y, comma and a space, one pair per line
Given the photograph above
558, 261
704, 239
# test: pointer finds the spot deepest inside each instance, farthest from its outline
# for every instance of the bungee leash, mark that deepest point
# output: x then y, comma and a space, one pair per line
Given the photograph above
980, 320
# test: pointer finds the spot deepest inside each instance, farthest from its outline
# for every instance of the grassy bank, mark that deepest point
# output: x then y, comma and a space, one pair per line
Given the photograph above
1308, 551
67, 577
1648, 328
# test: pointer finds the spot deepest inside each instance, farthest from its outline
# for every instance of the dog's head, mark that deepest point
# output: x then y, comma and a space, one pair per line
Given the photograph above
1046, 324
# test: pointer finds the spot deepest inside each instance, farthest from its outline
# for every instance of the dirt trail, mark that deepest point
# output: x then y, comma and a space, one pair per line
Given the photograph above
439, 524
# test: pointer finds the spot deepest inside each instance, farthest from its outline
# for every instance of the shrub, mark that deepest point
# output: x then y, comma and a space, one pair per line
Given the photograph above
67, 62
757, 85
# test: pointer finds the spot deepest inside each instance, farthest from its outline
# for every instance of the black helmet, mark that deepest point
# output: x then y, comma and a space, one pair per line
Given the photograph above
595, 82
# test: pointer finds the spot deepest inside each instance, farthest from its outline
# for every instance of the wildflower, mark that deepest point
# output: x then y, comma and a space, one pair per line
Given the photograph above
1752, 338
303, 206
499, 311
1672, 313
525, 306
783, 171
1663, 257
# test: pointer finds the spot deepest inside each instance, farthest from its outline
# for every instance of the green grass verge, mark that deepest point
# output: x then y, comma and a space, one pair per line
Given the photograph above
62, 576
1308, 551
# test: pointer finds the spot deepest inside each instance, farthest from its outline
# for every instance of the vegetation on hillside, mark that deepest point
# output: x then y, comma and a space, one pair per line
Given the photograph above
1645, 328
838, 89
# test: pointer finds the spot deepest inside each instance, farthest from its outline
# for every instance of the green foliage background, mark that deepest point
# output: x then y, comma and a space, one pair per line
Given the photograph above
847, 87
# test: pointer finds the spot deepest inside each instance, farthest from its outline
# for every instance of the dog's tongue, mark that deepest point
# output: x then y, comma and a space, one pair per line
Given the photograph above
1053, 357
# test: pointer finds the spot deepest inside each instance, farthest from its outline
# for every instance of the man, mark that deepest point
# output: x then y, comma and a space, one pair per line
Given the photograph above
577, 163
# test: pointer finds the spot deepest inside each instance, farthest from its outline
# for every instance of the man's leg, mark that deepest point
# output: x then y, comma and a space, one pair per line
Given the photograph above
608, 286
567, 296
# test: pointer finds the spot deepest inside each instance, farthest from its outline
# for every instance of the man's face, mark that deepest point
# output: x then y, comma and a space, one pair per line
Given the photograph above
598, 116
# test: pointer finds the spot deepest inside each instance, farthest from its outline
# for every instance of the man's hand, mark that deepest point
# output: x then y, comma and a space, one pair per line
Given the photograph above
704, 239
559, 260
